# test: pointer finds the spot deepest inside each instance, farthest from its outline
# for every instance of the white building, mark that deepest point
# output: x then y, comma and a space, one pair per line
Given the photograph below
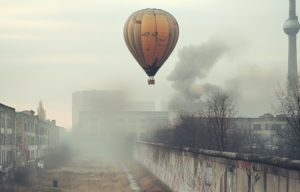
95, 100
100, 125
139, 106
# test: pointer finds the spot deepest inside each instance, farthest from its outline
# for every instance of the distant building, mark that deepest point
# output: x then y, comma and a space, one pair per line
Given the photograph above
32, 138
100, 125
56, 135
164, 106
95, 100
25, 140
266, 126
7, 139
139, 106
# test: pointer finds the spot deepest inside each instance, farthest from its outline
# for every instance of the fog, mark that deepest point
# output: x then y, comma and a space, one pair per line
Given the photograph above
71, 55
51, 49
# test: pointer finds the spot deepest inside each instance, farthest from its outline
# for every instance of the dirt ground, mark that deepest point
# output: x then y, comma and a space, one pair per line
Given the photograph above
88, 173
94, 173
145, 178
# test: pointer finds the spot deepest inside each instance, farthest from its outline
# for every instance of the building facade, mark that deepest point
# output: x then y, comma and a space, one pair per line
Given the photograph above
95, 100
139, 106
56, 135
32, 138
106, 125
266, 126
7, 139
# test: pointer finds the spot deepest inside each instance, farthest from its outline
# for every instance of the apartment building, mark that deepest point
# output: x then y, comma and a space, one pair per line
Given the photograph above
56, 135
266, 126
32, 138
7, 139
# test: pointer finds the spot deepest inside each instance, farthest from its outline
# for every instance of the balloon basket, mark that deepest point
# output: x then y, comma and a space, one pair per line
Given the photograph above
151, 82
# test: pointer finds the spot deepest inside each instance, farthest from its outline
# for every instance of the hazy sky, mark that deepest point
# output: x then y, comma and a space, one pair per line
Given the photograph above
49, 49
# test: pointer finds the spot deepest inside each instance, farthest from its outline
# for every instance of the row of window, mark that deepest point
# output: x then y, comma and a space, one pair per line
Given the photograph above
33, 128
274, 127
35, 140
131, 120
33, 155
94, 122
6, 121
271, 138
5, 156
6, 140
131, 127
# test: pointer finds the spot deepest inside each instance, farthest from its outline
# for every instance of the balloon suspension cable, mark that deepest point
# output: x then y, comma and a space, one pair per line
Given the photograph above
151, 80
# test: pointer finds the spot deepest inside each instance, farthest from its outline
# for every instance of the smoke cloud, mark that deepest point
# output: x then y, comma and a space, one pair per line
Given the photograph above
195, 62
250, 85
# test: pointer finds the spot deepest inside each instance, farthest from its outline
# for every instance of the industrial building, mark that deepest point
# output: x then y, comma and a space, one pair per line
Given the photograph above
139, 106
95, 100
103, 125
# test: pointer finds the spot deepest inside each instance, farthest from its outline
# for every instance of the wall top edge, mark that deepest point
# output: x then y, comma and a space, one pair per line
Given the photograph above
276, 161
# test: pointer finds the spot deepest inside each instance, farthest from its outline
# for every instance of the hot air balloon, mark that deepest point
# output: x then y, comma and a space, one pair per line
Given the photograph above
151, 36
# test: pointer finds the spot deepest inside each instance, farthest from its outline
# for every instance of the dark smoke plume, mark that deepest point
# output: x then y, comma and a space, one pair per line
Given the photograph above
251, 85
195, 62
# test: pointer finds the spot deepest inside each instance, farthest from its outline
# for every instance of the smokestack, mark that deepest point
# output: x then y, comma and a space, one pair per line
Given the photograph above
291, 28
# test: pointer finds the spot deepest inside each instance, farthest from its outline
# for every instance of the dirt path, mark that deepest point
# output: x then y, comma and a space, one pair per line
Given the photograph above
94, 173
88, 173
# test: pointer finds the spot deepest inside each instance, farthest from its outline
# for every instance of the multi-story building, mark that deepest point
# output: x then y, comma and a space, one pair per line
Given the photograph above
56, 135
7, 139
105, 125
139, 106
32, 138
95, 101
164, 106
266, 126
25, 139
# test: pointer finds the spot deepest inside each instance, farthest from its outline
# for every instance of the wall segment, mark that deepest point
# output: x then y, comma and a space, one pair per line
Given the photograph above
191, 169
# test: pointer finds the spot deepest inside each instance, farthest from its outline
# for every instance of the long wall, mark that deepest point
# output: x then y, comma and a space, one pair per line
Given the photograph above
191, 169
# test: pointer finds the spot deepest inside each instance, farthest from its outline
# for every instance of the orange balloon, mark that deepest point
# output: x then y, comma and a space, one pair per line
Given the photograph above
151, 36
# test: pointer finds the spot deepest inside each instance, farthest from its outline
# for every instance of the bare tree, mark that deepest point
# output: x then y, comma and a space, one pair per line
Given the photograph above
184, 129
288, 111
218, 120
161, 134
212, 128
247, 135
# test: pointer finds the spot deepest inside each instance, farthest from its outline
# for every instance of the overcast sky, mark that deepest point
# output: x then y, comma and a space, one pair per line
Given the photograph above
51, 48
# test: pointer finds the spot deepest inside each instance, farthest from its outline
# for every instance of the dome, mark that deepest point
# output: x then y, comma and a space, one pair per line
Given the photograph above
291, 26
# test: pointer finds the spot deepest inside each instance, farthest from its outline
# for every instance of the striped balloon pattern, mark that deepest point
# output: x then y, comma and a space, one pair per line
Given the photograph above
151, 36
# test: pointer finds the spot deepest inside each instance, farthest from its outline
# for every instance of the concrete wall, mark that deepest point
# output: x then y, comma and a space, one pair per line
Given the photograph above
190, 169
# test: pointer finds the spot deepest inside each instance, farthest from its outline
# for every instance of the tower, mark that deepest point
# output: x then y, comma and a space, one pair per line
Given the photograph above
291, 28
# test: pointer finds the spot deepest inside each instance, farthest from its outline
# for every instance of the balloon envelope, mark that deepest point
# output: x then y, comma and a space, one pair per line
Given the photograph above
151, 35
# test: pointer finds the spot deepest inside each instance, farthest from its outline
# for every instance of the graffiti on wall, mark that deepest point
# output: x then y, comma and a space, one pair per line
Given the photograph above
22, 153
